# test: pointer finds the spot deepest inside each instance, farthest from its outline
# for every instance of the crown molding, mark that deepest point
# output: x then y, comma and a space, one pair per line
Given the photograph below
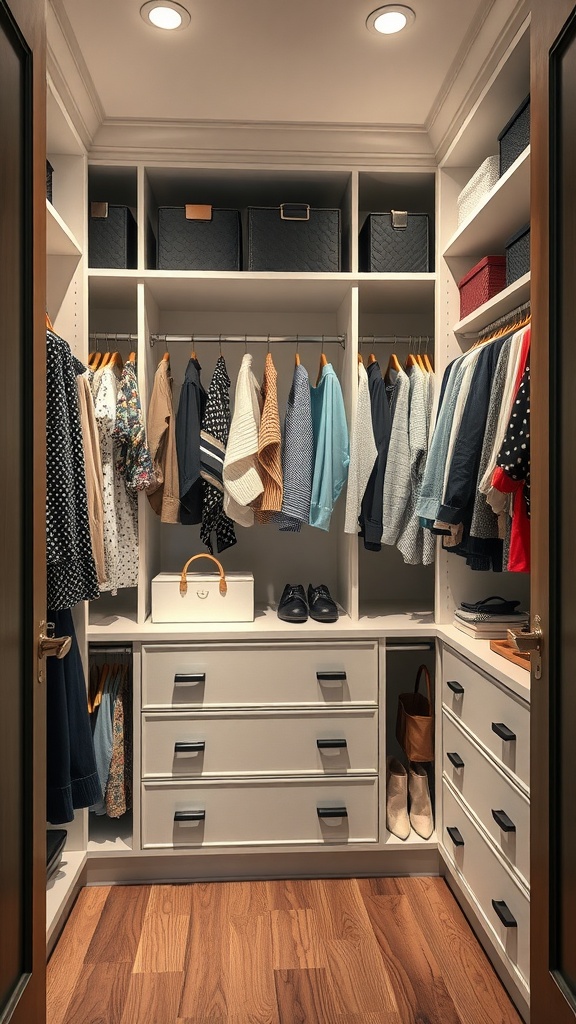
70, 75
260, 143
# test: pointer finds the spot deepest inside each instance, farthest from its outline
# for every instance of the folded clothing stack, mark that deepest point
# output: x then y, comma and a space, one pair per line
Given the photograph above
489, 619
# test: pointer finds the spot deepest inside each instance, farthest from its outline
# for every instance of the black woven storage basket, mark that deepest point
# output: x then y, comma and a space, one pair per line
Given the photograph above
49, 173
198, 238
293, 237
394, 243
518, 255
111, 237
515, 136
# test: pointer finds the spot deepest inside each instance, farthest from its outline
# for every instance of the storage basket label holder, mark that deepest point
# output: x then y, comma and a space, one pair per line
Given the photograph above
223, 586
198, 211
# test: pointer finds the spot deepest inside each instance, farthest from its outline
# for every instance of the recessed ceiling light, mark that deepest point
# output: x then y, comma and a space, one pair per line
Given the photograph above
390, 19
165, 14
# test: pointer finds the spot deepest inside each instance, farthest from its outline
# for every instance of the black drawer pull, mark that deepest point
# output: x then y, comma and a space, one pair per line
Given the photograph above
455, 836
331, 677
455, 760
189, 815
328, 744
503, 731
332, 812
456, 688
189, 748
502, 819
505, 914
189, 678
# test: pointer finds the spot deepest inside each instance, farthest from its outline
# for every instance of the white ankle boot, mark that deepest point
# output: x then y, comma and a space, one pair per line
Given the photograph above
420, 803
397, 798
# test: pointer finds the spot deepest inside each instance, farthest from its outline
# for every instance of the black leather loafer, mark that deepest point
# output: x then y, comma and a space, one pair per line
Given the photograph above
293, 607
321, 606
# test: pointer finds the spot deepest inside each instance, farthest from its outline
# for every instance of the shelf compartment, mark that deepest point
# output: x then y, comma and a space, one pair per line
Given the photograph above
61, 886
504, 209
396, 293
505, 301
60, 240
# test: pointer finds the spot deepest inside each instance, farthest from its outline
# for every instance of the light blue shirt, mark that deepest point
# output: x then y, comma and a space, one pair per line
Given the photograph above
331, 447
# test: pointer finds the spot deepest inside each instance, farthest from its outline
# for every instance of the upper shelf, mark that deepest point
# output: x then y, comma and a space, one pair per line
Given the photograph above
245, 291
60, 241
504, 210
502, 303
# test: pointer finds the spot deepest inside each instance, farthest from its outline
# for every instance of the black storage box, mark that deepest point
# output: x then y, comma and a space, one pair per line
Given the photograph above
518, 255
294, 237
111, 237
198, 238
394, 243
515, 136
49, 173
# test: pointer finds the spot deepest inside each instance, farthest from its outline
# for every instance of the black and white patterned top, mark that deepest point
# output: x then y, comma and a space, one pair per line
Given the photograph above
71, 572
297, 455
514, 455
213, 440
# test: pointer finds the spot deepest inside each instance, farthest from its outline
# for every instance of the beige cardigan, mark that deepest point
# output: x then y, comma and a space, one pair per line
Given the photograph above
94, 481
163, 495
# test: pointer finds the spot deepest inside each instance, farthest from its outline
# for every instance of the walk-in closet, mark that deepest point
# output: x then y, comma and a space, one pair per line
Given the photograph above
293, 298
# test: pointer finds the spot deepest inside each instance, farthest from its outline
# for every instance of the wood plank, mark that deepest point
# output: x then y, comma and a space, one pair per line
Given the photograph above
153, 998
249, 978
100, 994
288, 894
357, 979
116, 938
164, 936
203, 996
67, 960
416, 979
468, 974
339, 909
246, 899
295, 941
302, 997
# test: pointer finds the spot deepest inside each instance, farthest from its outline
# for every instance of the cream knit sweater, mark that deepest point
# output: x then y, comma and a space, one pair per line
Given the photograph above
241, 473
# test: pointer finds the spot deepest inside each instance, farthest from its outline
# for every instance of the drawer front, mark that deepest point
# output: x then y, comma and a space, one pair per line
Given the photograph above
495, 716
489, 880
262, 743
259, 813
486, 790
245, 675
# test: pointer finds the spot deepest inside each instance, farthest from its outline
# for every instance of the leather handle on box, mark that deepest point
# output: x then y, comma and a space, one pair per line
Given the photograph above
223, 586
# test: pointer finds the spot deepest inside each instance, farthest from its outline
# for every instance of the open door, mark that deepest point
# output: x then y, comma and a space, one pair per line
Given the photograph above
22, 510
553, 403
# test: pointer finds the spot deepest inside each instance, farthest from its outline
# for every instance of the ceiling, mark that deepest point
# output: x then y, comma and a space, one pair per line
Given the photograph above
264, 61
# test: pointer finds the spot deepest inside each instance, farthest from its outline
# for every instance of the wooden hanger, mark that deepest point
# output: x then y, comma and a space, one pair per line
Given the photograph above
323, 363
49, 326
410, 361
393, 365
131, 358
165, 357
116, 361
193, 354
297, 358
427, 363
420, 361
94, 360
360, 359
371, 359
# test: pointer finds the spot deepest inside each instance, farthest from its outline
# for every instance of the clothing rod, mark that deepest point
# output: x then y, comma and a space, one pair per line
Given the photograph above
409, 647
113, 337
369, 339
95, 648
250, 339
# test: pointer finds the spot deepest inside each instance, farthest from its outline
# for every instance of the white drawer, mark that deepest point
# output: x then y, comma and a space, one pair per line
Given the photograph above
489, 880
249, 674
489, 712
488, 792
244, 813
262, 743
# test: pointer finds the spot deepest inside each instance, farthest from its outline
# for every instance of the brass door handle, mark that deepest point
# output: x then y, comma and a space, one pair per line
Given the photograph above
50, 645
530, 643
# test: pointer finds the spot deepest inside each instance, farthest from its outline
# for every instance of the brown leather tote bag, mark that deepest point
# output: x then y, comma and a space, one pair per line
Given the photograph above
415, 721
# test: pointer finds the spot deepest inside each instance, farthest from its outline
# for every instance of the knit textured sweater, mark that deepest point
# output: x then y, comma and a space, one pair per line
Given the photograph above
363, 453
241, 474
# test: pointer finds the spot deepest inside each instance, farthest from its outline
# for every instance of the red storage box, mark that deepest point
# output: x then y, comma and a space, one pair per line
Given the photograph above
481, 283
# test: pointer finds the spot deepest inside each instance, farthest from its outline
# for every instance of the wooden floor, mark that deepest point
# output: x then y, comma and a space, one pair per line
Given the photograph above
336, 951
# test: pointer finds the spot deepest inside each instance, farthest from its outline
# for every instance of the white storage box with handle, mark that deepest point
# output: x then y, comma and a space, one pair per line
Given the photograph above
203, 597
480, 184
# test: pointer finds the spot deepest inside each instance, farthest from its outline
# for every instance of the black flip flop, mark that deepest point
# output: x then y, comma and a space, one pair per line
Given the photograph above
491, 604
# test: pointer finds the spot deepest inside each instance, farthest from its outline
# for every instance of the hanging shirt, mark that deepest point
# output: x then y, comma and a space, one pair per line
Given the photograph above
331, 448
93, 467
188, 420
269, 443
164, 492
363, 453
213, 441
411, 537
370, 519
120, 504
241, 475
297, 454
397, 479
71, 572
133, 458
